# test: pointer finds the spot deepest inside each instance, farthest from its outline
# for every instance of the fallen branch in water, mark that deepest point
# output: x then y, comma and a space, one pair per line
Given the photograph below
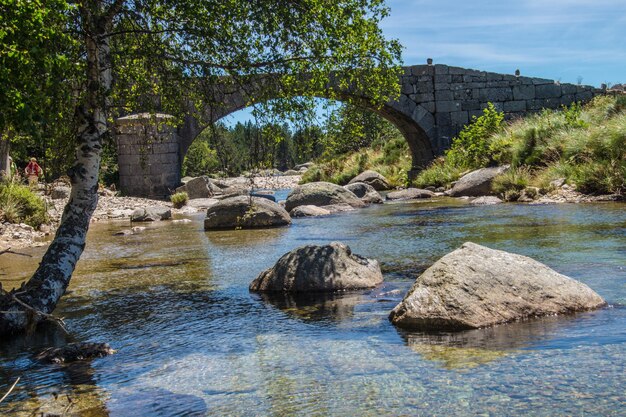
57, 320
8, 250
10, 389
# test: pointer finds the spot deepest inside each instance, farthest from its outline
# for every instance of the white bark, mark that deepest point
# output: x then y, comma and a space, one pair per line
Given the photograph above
43, 291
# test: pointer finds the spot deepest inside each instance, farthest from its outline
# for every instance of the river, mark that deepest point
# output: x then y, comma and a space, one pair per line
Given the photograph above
191, 339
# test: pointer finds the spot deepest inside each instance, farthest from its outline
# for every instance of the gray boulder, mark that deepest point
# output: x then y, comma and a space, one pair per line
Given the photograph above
309, 211
321, 194
475, 287
372, 178
237, 212
200, 187
485, 201
150, 214
60, 192
319, 268
305, 166
291, 172
409, 194
476, 183
365, 192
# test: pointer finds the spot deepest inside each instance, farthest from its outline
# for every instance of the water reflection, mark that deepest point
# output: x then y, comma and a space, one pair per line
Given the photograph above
470, 348
245, 237
324, 307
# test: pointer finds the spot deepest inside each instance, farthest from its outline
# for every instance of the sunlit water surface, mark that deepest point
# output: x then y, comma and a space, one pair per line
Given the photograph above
192, 340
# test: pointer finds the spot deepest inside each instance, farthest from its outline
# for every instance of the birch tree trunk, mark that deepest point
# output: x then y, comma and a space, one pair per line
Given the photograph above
49, 282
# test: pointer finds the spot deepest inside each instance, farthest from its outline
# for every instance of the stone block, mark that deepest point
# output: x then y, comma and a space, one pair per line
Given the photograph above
443, 78
513, 106
526, 80
462, 94
569, 88
448, 106
492, 76
429, 105
424, 88
442, 120
524, 92
421, 97
542, 81
547, 91
568, 99
419, 113
496, 94
546, 103
475, 113
407, 87
457, 78
441, 95
459, 118
421, 70
470, 105
425, 79
584, 96
441, 69
491, 84
442, 86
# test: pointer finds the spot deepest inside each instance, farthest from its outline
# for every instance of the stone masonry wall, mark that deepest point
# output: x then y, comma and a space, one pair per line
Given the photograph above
148, 156
453, 95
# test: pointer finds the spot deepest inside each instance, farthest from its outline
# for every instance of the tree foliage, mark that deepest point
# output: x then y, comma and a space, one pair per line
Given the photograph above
167, 55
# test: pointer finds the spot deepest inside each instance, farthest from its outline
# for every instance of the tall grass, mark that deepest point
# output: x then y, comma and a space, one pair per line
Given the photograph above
585, 145
391, 159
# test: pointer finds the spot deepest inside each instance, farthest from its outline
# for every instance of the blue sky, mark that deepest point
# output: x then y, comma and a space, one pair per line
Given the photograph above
564, 40
556, 39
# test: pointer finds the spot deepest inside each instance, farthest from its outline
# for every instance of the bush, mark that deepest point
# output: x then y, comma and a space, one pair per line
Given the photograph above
470, 149
18, 204
179, 199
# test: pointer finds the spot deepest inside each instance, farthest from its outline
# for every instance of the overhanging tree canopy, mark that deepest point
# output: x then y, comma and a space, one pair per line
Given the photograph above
165, 55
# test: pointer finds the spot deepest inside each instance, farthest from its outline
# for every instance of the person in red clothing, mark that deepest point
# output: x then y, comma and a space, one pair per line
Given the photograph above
33, 171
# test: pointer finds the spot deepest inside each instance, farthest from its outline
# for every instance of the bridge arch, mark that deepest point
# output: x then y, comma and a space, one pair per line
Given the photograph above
436, 101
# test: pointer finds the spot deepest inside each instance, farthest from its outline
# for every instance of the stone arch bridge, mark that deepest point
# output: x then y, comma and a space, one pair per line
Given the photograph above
436, 101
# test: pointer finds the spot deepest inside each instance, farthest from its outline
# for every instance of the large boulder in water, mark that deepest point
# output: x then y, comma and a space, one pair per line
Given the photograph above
319, 268
372, 178
409, 194
321, 194
246, 213
475, 286
476, 183
365, 192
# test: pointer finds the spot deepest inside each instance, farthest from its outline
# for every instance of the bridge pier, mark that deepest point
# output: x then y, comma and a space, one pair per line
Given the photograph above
149, 159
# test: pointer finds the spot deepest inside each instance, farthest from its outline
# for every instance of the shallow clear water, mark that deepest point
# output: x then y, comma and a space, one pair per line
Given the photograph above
192, 340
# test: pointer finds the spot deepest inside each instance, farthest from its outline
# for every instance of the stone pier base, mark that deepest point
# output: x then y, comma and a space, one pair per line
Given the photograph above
148, 156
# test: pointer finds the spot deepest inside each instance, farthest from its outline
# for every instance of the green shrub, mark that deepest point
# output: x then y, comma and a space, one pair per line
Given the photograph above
470, 148
18, 204
179, 199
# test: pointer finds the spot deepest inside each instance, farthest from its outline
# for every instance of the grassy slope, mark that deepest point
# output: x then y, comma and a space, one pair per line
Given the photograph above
585, 146
392, 160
